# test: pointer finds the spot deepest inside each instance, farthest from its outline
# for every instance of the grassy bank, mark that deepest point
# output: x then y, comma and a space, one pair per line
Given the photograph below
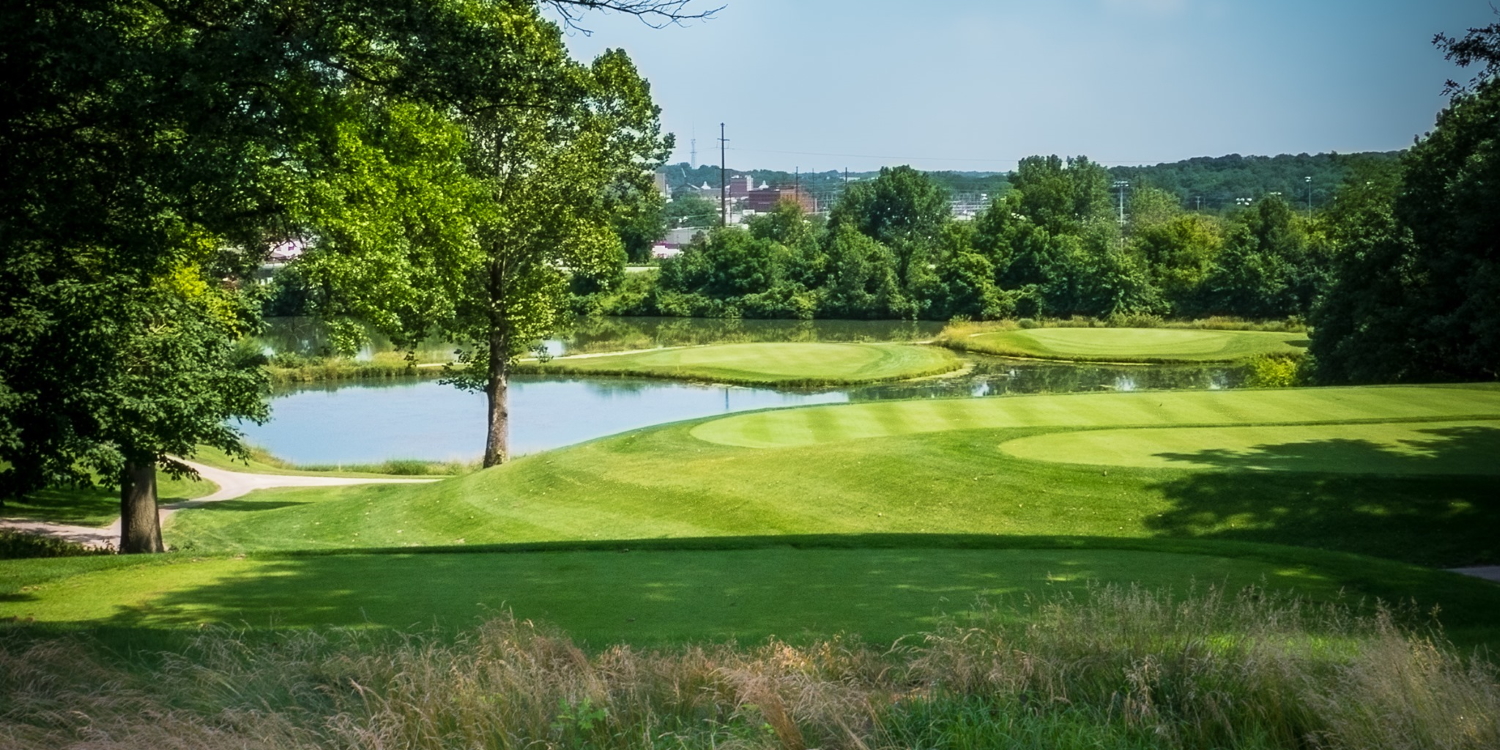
935, 466
1117, 668
1128, 345
291, 369
262, 461
781, 364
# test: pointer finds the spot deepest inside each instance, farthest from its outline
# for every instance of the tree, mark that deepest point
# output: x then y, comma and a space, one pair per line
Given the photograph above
1417, 295
901, 208
1265, 269
689, 210
1178, 254
639, 219
1059, 196
862, 280
155, 149
495, 279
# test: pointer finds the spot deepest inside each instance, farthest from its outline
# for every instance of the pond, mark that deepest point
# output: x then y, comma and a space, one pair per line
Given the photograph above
375, 421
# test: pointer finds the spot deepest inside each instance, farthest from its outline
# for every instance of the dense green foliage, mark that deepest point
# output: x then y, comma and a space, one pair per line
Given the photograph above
1051, 246
1217, 182
1418, 292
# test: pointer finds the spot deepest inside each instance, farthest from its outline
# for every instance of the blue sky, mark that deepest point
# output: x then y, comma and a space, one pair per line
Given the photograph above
943, 84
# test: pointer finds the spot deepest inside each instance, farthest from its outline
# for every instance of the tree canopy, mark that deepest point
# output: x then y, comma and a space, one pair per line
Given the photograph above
1418, 290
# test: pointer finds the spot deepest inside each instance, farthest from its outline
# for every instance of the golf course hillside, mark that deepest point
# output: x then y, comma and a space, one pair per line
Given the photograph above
1141, 345
784, 364
954, 466
674, 591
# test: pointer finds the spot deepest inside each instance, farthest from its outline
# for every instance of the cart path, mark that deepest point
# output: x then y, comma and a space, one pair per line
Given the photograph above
232, 484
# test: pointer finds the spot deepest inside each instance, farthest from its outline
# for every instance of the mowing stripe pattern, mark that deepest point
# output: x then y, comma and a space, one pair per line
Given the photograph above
822, 424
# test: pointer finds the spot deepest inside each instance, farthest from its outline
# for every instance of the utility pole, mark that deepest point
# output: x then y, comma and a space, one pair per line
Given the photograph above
1308, 180
723, 181
1120, 185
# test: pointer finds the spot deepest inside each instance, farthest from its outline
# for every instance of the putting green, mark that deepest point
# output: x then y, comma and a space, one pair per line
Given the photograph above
822, 424
1469, 447
768, 363
1136, 344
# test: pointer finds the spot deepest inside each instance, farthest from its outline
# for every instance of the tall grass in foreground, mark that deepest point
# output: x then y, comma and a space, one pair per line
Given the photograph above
1117, 668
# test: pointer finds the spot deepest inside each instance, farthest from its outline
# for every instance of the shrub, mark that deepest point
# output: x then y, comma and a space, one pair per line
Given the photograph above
15, 545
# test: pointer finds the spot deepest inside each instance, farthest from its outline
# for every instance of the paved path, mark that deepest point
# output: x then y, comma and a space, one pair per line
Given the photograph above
1487, 572
232, 484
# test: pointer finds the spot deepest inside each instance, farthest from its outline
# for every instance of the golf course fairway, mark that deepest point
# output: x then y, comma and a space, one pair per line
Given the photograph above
1144, 345
1379, 448
882, 588
869, 517
929, 466
786, 428
787, 364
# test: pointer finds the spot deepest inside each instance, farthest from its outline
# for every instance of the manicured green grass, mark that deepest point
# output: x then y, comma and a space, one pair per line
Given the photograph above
879, 587
939, 468
1400, 448
787, 364
95, 506
1153, 345
794, 427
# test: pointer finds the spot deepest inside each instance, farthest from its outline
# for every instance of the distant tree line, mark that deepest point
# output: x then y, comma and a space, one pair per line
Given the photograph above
1214, 183
1397, 267
1052, 246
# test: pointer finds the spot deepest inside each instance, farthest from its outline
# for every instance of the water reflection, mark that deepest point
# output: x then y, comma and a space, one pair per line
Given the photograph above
998, 376
370, 422
308, 337
366, 422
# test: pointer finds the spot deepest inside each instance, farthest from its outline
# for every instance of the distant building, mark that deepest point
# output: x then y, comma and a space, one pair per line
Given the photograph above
966, 206
663, 251
661, 184
286, 251
765, 199
681, 236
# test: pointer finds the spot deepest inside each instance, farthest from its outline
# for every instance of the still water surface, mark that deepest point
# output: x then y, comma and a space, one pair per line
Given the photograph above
370, 422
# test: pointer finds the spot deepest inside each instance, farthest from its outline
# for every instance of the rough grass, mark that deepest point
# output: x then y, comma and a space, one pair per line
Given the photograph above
783, 364
1143, 345
262, 461
290, 369
1111, 667
664, 482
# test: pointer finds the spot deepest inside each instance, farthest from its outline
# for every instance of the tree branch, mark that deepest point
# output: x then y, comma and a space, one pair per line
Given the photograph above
657, 14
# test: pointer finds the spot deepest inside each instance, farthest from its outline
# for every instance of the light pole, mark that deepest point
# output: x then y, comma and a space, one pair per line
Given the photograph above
1308, 180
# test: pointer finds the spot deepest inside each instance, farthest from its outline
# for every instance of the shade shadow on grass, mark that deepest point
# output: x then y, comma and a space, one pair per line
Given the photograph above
1416, 513
675, 595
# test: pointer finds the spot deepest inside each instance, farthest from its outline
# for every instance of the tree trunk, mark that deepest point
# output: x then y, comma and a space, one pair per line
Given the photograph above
497, 439
140, 526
